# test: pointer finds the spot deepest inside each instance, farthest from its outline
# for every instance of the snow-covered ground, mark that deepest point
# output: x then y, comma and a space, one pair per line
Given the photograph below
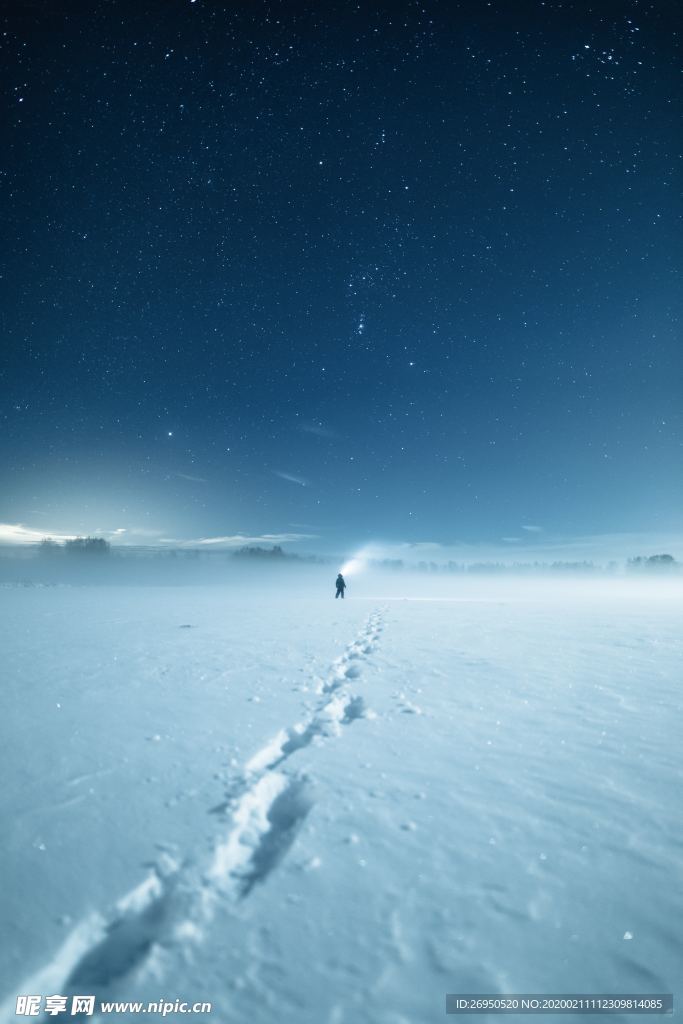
319, 812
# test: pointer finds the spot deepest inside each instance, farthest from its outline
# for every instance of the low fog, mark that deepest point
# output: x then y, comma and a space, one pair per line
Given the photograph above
277, 573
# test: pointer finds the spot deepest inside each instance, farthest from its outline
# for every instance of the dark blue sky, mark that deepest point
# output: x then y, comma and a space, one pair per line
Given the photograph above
402, 272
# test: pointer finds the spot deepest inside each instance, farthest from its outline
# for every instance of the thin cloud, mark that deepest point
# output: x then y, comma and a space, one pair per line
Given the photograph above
301, 481
17, 533
533, 529
193, 479
319, 430
238, 540
137, 531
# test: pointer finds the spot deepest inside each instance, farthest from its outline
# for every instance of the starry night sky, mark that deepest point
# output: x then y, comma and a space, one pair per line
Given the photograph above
341, 272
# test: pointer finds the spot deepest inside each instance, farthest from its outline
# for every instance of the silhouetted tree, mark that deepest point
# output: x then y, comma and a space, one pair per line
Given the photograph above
87, 546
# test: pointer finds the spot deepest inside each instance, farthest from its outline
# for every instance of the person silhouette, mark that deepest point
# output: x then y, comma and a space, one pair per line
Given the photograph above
341, 587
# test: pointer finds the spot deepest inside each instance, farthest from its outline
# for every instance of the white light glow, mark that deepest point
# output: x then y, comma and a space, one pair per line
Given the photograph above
356, 563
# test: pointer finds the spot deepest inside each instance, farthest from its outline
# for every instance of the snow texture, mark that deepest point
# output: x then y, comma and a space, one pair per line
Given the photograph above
316, 812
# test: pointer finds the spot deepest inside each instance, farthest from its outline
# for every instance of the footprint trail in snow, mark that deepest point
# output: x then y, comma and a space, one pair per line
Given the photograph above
172, 907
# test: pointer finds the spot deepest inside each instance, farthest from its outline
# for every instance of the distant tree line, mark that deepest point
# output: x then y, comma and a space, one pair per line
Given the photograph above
398, 565
276, 553
253, 551
98, 547
75, 546
646, 562
641, 562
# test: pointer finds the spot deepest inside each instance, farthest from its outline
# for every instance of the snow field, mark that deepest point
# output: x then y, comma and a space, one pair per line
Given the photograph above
450, 797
